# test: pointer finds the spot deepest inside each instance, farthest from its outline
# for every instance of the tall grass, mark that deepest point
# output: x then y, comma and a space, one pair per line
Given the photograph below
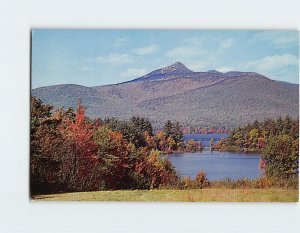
201, 182
192, 195
260, 183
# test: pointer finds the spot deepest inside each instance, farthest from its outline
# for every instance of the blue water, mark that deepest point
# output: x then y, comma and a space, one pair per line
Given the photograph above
205, 138
217, 165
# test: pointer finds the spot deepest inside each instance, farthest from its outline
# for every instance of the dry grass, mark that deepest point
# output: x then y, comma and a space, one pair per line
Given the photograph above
196, 195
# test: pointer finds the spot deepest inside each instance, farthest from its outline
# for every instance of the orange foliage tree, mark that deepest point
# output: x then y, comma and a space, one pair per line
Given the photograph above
79, 157
155, 170
115, 156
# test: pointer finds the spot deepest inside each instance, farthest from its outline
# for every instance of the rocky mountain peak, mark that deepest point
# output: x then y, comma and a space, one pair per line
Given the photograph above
177, 67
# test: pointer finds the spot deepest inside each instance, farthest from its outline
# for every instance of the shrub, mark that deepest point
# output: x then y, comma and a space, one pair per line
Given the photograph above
188, 183
201, 180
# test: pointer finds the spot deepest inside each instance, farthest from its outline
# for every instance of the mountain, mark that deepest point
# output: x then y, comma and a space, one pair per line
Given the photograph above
169, 72
198, 99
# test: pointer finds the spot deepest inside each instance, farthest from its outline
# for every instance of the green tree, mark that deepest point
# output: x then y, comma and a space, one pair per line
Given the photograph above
44, 158
168, 128
142, 125
281, 156
253, 137
114, 154
178, 134
174, 131
132, 130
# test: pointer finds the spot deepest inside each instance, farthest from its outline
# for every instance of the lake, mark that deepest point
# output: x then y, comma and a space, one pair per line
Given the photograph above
217, 164
205, 138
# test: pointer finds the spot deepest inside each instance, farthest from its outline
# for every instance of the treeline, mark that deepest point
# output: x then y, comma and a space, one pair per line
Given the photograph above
70, 152
277, 141
139, 132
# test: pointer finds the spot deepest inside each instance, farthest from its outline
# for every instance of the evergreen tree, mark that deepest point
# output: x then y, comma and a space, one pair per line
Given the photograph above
168, 128
178, 133
173, 131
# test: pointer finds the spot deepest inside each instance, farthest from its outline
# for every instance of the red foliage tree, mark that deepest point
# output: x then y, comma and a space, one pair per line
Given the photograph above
79, 167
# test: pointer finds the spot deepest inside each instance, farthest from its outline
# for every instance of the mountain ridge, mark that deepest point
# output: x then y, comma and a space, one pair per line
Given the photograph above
181, 70
197, 99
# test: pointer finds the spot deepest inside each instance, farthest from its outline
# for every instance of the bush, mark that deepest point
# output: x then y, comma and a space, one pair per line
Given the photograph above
187, 183
201, 180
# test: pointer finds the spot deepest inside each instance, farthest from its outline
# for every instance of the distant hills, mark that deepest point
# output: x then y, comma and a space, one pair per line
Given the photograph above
197, 99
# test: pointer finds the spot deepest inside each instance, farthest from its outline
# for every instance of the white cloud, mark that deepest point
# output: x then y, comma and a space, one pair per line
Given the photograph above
225, 69
280, 38
145, 50
133, 73
226, 44
184, 52
116, 58
275, 62
126, 58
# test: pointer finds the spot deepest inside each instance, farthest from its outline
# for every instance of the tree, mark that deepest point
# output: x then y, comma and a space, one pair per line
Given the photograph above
44, 158
115, 156
156, 171
281, 156
142, 125
150, 141
79, 165
261, 143
280, 124
161, 140
132, 130
253, 137
201, 180
193, 146
39, 109
178, 135
174, 131
171, 143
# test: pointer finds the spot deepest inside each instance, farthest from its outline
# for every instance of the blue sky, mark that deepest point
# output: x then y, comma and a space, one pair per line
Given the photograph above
99, 57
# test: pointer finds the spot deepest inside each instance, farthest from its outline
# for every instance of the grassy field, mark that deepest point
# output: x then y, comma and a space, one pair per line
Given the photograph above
195, 195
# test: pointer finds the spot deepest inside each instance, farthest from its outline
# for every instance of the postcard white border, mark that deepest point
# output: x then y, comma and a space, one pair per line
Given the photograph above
19, 214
